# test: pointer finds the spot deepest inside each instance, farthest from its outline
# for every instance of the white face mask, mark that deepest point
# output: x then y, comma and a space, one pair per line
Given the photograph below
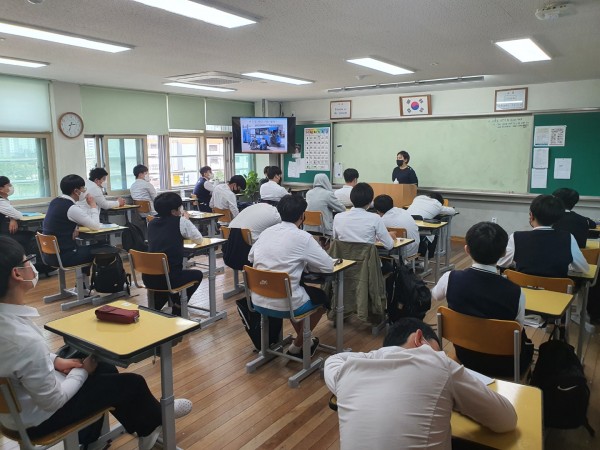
211, 176
82, 196
104, 184
147, 177
36, 276
11, 190
181, 210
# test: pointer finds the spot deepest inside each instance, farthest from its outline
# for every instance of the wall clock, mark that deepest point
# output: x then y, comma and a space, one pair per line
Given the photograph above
70, 125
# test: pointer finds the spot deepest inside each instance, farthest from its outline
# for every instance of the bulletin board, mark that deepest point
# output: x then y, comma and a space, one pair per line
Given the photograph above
315, 141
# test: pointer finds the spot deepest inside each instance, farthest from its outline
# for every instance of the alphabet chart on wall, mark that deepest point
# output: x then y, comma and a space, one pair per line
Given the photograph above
317, 152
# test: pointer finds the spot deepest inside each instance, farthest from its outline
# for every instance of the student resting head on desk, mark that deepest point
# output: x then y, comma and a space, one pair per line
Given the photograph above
572, 222
56, 392
402, 395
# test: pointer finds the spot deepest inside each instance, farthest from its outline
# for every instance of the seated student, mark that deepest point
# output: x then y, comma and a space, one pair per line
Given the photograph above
257, 218
56, 392
398, 218
321, 198
359, 225
9, 215
481, 292
165, 235
402, 395
572, 222
95, 184
271, 191
223, 196
204, 188
343, 194
285, 247
543, 251
265, 179
142, 189
429, 207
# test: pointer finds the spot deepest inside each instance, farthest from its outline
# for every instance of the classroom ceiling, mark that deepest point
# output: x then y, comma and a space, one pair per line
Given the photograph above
309, 39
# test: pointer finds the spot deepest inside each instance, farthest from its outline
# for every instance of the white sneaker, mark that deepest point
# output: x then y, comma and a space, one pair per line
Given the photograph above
182, 407
147, 442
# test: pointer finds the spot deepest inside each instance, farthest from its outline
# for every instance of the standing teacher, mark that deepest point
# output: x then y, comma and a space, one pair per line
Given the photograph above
404, 174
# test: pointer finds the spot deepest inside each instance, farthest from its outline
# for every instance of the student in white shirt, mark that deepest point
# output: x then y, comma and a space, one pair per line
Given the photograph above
257, 218
56, 392
224, 195
398, 218
9, 215
359, 225
429, 206
402, 395
142, 189
95, 184
321, 198
343, 194
286, 248
271, 191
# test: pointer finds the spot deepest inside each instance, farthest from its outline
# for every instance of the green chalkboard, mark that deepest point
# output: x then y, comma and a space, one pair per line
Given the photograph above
309, 175
582, 145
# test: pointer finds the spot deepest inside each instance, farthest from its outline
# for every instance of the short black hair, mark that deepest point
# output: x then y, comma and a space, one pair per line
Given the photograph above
166, 202
239, 180
11, 256
437, 196
71, 182
350, 175
487, 242
273, 171
547, 209
383, 203
399, 332
97, 174
137, 170
291, 208
205, 169
361, 195
265, 170
4, 181
404, 154
569, 197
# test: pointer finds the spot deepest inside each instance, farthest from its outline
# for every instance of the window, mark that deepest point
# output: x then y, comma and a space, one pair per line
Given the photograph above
243, 164
24, 160
91, 153
154, 160
215, 157
121, 155
183, 161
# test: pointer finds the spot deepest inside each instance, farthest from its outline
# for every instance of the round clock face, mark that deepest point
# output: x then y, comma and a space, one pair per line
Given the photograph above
70, 125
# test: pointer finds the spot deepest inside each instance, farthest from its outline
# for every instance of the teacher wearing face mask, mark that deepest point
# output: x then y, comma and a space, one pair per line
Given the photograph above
404, 174
95, 184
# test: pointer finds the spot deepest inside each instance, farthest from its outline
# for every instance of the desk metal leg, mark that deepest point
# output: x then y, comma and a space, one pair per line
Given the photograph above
212, 291
212, 228
436, 270
237, 288
167, 399
582, 319
339, 313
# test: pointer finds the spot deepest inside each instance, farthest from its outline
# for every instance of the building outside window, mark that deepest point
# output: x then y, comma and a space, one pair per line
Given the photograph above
24, 159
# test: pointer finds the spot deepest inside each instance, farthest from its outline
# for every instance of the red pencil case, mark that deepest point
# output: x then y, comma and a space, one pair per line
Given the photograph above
109, 313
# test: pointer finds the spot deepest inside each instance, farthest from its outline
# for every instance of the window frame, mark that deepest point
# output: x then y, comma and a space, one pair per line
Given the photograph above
200, 155
105, 161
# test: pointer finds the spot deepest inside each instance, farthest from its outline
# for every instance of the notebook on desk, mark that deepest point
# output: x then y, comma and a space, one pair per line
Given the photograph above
31, 214
108, 225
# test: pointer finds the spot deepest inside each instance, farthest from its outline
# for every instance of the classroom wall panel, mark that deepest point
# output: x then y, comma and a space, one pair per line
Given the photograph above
220, 112
24, 105
186, 113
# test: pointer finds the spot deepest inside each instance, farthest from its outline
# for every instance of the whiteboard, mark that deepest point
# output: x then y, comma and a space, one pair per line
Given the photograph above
481, 154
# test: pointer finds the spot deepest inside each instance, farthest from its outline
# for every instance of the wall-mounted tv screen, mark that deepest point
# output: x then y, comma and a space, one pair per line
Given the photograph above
263, 134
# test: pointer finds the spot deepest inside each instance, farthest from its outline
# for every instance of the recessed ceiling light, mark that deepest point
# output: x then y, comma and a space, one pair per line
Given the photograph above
199, 12
22, 62
274, 77
199, 87
375, 64
525, 50
36, 33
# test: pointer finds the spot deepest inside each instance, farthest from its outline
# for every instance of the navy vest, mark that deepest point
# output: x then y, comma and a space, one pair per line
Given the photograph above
544, 253
164, 236
576, 225
201, 192
58, 224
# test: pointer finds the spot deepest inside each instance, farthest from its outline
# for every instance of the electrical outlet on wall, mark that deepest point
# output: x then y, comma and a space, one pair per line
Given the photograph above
494, 220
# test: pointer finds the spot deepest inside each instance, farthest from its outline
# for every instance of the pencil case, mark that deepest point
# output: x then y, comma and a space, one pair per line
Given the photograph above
113, 314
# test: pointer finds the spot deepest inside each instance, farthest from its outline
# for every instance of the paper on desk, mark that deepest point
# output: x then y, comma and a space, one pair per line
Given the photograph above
481, 377
293, 170
540, 158
108, 225
539, 178
31, 214
562, 168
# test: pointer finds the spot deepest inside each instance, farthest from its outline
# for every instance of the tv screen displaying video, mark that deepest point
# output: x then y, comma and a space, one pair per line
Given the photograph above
263, 134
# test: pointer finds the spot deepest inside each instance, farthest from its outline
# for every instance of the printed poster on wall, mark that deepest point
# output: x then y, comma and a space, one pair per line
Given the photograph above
317, 143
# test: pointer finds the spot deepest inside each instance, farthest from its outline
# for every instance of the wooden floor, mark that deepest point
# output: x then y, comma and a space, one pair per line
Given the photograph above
236, 410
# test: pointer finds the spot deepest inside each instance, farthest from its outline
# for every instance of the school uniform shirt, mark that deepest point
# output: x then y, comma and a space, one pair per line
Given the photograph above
359, 225
96, 191
399, 218
8, 210
286, 248
402, 398
29, 364
428, 208
143, 190
257, 218
272, 191
224, 198
404, 176
578, 264
343, 195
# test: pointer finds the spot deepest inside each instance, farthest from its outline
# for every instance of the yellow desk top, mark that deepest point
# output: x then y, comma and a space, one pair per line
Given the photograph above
589, 275
122, 340
398, 242
124, 207
430, 226
343, 265
592, 243
206, 243
547, 302
86, 230
203, 215
527, 401
37, 216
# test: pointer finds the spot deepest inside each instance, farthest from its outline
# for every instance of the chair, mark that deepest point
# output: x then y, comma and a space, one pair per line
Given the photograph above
194, 198
144, 206
9, 404
490, 336
247, 236
48, 246
401, 233
157, 264
277, 285
226, 215
314, 219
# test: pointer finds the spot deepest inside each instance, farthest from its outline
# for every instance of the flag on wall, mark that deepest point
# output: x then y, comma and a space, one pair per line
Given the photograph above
416, 105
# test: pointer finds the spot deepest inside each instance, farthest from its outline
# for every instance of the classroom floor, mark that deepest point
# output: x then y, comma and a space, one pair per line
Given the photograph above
236, 410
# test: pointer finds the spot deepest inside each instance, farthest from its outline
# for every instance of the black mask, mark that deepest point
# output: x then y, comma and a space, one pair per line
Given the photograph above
399, 162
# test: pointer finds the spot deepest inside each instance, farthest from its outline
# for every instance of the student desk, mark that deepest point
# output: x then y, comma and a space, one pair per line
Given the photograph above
31, 221
436, 230
527, 401
126, 210
106, 232
202, 217
123, 345
587, 279
398, 244
592, 243
209, 244
550, 303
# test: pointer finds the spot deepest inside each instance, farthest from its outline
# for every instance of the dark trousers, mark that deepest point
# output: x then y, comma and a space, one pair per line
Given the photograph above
317, 296
135, 406
178, 277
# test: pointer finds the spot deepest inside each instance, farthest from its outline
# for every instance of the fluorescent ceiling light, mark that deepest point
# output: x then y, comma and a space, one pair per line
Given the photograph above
35, 33
199, 87
273, 77
525, 50
22, 62
199, 12
401, 84
379, 65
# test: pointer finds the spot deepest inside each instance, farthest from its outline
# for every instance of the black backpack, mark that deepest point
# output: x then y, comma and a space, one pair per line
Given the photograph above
133, 238
108, 274
251, 321
559, 374
407, 295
